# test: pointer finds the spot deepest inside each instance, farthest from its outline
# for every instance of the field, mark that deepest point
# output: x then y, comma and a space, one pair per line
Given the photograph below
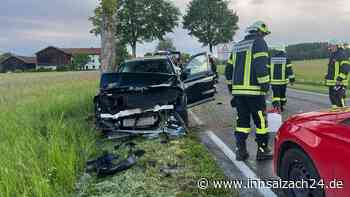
47, 134
45, 137
309, 74
310, 71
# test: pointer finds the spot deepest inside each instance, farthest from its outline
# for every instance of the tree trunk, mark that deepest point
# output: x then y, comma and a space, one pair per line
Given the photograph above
108, 43
211, 48
133, 46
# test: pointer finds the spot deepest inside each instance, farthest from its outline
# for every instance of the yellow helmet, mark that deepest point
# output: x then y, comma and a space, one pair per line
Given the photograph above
258, 26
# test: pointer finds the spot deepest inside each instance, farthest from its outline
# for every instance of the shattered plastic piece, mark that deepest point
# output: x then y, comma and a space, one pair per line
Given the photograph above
169, 170
131, 112
121, 166
176, 132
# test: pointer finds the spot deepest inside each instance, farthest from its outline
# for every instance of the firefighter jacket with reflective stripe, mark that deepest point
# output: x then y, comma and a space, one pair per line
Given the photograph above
281, 70
247, 67
338, 68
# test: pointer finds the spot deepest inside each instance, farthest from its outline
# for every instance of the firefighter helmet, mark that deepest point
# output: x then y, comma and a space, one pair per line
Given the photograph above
258, 26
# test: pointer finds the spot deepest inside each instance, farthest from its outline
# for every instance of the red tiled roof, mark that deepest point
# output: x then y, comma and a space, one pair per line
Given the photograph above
76, 51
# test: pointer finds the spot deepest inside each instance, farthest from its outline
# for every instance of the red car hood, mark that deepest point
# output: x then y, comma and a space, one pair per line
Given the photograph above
323, 115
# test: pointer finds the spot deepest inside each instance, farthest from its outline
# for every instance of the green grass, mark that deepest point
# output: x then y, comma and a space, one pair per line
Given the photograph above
45, 137
310, 71
193, 162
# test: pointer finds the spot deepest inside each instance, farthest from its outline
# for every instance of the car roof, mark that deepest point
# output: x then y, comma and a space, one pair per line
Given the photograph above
147, 58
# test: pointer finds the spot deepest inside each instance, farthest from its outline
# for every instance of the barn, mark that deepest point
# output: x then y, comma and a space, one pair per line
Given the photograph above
53, 57
15, 62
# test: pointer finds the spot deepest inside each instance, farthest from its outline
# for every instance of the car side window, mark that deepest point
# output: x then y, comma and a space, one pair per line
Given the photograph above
198, 65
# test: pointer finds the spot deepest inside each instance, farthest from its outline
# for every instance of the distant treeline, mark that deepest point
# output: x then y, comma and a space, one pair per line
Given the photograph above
307, 51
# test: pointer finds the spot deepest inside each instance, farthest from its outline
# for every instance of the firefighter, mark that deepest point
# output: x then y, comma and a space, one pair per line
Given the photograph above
247, 73
281, 73
337, 75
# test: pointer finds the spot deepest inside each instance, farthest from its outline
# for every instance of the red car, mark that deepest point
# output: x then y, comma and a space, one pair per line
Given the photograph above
313, 149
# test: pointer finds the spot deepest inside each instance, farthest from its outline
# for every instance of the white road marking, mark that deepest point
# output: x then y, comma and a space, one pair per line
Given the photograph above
245, 170
195, 117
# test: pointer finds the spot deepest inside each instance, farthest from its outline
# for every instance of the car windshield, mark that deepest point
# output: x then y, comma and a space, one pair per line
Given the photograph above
147, 66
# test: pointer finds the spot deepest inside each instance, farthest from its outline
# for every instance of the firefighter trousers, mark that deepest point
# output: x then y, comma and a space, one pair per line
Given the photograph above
279, 98
337, 97
251, 107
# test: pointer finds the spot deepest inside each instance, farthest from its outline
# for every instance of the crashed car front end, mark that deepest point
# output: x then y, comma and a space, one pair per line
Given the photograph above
138, 103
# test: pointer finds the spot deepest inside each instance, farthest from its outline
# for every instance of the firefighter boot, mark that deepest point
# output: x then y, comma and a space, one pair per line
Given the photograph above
264, 152
241, 152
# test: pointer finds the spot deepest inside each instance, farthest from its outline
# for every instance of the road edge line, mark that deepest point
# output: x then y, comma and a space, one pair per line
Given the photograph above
243, 168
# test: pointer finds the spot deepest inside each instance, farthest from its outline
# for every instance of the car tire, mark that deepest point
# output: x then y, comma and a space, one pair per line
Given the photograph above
296, 165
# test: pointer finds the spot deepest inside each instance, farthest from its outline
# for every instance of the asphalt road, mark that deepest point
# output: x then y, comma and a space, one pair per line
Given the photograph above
216, 120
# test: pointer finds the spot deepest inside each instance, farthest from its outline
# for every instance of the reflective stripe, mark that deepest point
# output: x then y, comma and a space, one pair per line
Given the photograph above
243, 46
260, 54
291, 76
330, 82
228, 82
344, 62
265, 79
336, 72
283, 99
243, 130
262, 120
333, 82
262, 131
279, 82
342, 75
272, 71
240, 87
278, 60
289, 65
276, 99
283, 71
247, 66
247, 92
231, 60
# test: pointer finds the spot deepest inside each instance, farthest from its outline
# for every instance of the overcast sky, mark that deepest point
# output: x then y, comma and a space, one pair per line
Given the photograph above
27, 26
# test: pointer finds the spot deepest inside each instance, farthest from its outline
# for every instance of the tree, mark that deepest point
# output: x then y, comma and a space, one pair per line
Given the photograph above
166, 45
79, 61
121, 52
211, 21
105, 25
4, 56
142, 20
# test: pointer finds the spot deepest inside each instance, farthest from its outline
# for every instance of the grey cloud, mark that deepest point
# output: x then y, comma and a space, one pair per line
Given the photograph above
28, 25
257, 2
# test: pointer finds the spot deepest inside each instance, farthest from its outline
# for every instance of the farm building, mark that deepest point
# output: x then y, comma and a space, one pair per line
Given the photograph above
15, 62
53, 57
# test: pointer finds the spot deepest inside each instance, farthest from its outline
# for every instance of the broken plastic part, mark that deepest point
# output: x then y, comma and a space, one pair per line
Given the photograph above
131, 112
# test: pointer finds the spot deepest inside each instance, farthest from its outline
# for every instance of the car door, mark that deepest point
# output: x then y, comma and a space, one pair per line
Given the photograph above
200, 80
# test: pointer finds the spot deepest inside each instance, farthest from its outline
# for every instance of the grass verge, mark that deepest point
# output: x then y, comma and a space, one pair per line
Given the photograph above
192, 161
46, 139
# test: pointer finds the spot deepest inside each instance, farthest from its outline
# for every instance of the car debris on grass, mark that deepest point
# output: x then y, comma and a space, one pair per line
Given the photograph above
170, 169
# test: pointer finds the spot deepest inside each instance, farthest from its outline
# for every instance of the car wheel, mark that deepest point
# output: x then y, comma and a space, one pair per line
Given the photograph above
297, 166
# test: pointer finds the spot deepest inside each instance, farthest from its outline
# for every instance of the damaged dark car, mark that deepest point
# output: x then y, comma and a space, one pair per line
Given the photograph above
151, 95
